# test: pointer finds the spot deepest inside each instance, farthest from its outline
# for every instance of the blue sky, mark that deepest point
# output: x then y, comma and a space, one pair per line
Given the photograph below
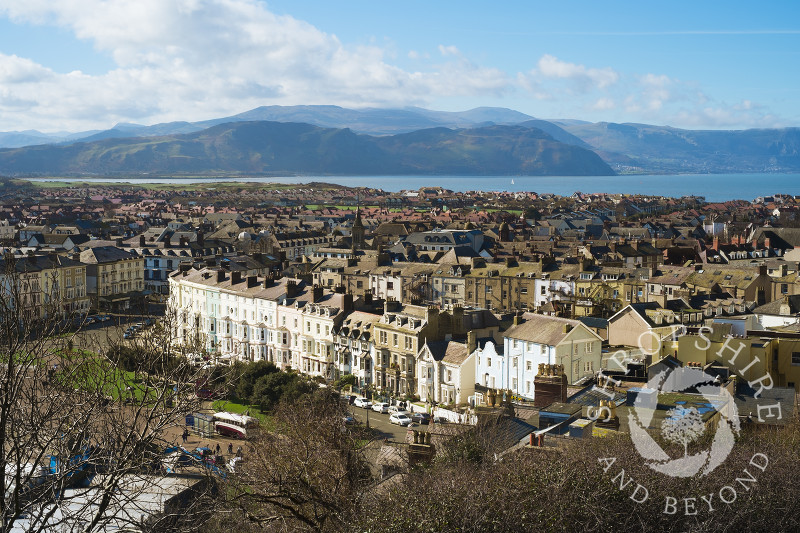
85, 64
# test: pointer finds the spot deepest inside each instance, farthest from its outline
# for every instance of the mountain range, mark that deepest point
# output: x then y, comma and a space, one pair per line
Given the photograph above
263, 147
336, 140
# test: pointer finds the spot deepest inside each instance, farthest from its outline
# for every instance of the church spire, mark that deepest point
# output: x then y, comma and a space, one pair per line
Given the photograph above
357, 233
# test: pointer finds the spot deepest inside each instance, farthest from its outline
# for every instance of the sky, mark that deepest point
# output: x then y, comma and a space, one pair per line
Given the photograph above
77, 65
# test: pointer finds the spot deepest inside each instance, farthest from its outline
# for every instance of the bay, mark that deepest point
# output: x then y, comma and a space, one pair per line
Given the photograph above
713, 187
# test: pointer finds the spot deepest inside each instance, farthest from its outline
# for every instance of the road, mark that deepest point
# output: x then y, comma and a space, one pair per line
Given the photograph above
99, 336
380, 422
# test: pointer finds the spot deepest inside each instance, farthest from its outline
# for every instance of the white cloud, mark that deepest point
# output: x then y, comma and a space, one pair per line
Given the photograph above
197, 59
604, 104
448, 50
584, 78
200, 59
14, 70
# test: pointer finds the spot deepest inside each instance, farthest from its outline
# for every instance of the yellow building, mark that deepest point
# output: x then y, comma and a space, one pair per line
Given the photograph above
114, 277
46, 285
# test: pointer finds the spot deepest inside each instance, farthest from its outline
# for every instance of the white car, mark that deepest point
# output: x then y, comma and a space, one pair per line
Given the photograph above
380, 407
401, 419
363, 403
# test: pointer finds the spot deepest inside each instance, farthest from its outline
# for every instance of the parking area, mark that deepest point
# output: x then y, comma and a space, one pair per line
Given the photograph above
98, 334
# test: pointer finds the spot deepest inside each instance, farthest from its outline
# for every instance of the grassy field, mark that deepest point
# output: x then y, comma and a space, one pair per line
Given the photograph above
93, 373
207, 184
241, 409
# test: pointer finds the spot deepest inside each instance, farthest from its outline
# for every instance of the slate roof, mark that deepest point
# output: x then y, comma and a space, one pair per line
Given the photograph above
208, 277
541, 329
723, 276
39, 263
774, 307
455, 354
105, 254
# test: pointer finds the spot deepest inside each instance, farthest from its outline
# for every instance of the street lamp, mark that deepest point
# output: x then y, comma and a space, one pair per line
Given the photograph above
368, 396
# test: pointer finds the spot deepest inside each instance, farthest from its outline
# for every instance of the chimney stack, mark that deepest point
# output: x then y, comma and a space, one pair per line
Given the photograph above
252, 281
458, 319
236, 277
268, 282
167, 241
390, 305
291, 288
472, 341
317, 293
142, 241
517, 319
220, 275
347, 302
118, 241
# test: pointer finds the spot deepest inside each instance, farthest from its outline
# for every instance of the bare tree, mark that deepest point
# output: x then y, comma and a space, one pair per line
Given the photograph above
82, 440
307, 473
683, 426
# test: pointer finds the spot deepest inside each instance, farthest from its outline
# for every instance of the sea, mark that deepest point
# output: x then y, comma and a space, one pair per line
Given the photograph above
713, 187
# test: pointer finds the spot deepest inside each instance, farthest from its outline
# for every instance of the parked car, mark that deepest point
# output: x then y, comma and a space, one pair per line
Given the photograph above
421, 418
349, 420
380, 407
394, 409
128, 335
440, 420
401, 419
363, 403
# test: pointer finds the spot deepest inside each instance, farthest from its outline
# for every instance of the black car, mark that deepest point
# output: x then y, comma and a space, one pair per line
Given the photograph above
421, 418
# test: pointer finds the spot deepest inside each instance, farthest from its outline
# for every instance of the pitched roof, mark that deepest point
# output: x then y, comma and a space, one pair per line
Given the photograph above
105, 254
542, 329
456, 353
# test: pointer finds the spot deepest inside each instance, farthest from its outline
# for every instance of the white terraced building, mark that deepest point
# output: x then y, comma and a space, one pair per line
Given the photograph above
252, 318
355, 347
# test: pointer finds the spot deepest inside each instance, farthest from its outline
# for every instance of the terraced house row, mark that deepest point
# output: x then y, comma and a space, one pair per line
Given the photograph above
572, 287
406, 350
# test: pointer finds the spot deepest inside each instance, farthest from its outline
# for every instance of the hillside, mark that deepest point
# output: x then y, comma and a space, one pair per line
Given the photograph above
260, 147
661, 149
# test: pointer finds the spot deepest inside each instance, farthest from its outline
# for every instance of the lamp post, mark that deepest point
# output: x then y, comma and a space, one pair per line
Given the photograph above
368, 396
